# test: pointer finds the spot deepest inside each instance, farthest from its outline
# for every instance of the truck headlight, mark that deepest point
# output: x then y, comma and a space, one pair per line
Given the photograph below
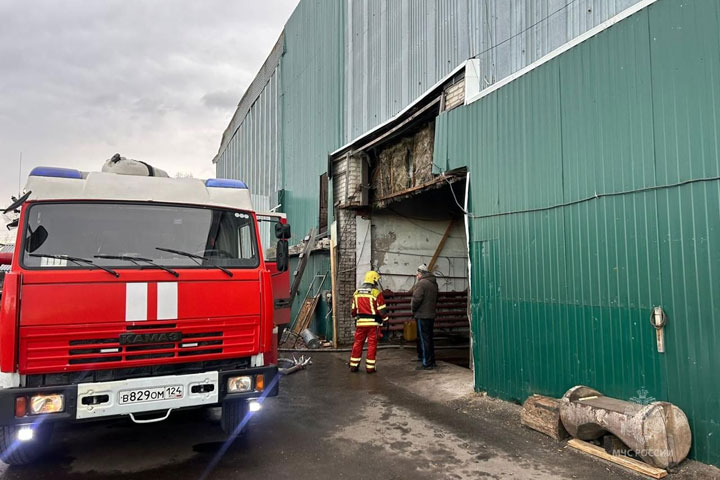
239, 384
53, 403
25, 434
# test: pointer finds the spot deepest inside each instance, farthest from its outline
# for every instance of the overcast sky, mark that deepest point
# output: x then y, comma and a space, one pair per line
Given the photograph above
155, 80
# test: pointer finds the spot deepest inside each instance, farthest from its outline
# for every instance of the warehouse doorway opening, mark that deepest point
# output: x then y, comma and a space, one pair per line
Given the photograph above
423, 225
395, 209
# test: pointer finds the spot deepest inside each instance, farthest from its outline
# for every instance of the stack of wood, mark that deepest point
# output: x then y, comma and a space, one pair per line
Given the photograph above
451, 310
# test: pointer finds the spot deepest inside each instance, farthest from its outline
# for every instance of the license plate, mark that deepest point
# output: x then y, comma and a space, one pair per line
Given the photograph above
142, 395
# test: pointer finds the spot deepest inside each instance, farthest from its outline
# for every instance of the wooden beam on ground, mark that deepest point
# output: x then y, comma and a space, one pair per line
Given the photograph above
440, 246
627, 462
543, 414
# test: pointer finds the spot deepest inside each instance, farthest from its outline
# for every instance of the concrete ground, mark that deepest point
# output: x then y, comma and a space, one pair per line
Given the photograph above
329, 423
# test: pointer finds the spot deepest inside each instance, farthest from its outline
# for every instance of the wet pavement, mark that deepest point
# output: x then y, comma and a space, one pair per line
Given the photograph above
328, 423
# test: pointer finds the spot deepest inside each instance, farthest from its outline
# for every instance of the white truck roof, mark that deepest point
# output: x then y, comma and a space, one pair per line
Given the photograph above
51, 183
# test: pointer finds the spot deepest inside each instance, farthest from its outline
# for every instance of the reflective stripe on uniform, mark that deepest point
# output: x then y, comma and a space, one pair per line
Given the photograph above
368, 296
366, 322
370, 362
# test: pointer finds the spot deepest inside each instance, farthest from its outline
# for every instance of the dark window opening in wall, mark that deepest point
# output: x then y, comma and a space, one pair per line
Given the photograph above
323, 216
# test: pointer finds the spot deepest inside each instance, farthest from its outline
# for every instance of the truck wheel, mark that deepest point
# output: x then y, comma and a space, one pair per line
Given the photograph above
15, 452
234, 413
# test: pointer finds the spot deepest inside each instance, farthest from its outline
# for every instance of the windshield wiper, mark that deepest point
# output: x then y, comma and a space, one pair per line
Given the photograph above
76, 260
135, 260
195, 258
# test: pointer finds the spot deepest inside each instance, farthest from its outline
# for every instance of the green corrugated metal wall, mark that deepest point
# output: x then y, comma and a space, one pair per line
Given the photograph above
563, 296
313, 68
686, 93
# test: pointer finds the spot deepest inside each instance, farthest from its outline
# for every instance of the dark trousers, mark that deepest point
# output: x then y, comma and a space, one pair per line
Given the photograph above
425, 341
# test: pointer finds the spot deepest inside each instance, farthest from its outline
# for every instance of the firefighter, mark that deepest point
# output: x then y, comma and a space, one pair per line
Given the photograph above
368, 308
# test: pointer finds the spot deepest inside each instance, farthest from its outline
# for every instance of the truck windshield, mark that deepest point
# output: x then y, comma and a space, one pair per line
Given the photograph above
107, 232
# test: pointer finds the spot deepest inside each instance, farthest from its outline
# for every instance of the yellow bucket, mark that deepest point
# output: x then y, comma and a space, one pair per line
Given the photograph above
410, 331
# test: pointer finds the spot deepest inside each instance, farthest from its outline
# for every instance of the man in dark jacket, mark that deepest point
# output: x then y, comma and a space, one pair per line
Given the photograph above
423, 306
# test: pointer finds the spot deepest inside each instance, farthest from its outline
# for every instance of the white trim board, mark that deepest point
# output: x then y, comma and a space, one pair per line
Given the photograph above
560, 50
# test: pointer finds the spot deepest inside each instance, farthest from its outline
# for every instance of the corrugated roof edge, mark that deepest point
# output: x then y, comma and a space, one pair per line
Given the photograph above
253, 92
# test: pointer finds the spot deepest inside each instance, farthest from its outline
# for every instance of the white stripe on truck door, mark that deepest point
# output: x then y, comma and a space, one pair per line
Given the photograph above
167, 300
136, 302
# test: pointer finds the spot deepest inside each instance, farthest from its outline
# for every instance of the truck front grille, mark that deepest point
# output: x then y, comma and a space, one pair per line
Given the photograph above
109, 349
89, 376
75, 348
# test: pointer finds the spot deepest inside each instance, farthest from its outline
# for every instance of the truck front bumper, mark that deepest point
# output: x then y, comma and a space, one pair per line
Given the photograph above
112, 399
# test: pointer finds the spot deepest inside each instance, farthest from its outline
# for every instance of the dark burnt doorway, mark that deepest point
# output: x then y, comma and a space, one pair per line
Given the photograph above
425, 225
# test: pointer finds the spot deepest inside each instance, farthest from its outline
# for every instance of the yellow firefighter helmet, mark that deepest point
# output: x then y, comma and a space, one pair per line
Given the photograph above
371, 277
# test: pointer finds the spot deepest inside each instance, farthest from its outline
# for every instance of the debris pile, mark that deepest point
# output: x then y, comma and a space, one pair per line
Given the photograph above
293, 365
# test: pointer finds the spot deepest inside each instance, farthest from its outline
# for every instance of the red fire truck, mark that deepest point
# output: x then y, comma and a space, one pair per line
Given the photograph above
135, 296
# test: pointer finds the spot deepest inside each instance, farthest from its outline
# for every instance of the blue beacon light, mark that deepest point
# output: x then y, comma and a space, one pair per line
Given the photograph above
56, 172
225, 183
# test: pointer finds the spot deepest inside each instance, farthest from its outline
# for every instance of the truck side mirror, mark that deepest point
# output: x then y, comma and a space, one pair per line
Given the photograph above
282, 256
282, 231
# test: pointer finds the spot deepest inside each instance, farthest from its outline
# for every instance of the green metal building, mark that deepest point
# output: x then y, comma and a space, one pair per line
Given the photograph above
590, 163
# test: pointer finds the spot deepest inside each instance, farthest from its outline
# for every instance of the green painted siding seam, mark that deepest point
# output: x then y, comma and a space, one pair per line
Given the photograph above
597, 196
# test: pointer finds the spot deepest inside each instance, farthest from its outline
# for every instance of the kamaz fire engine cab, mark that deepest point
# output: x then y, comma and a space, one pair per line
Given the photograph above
134, 296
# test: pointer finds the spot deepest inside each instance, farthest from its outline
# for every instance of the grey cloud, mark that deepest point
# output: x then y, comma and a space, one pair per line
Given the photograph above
222, 100
157, 80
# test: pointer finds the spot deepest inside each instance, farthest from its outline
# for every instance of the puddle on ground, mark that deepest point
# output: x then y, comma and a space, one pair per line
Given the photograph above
382, 425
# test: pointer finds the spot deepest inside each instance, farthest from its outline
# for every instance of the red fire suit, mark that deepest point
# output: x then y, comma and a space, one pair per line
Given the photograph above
369, 310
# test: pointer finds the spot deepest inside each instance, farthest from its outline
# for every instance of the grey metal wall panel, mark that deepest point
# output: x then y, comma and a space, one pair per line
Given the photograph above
252, 152
394, 51
397, 49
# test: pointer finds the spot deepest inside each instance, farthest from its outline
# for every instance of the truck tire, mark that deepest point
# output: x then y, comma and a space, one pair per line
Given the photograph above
233, 415
14, 452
